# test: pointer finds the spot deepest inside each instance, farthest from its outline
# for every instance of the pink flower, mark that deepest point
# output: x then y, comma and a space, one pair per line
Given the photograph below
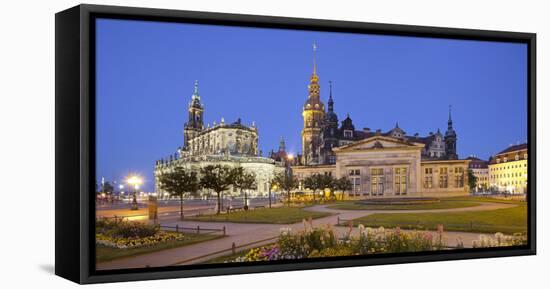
428, 236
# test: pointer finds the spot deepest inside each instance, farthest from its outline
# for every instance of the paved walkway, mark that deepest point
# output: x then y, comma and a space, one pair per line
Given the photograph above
242, 234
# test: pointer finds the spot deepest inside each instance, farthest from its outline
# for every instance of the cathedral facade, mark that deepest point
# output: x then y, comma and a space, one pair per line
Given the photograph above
232, 144
378, 163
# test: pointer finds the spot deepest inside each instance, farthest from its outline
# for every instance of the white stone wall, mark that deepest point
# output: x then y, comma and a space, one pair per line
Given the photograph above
222, 140
437, 168
263, 168
388, 160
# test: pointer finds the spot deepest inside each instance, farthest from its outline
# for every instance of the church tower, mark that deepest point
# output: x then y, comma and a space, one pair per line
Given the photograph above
329, 133
194, 122
313, 115
450, 140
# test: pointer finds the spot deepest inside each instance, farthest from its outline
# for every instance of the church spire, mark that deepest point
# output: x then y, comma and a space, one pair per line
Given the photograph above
330, 101
282, 146
314, 59
313, 87
196, 91
450, 122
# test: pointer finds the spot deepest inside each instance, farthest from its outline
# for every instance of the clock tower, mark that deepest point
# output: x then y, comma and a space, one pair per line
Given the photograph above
313, 115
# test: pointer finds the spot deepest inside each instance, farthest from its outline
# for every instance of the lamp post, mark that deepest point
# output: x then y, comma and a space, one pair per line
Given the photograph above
288, 170
120, 191
135, 182
289, 158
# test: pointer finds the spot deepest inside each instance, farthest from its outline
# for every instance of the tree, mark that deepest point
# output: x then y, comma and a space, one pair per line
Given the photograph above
218, 178
326, 182
310, 183
342, 184
244, 181
286, 182
180, 182
108, 188
472, 180
317, 182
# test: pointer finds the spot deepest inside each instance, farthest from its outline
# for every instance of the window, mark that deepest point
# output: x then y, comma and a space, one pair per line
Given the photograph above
355, 172
517, 157
400, 180
443, 178
459, 177
355, 178
377, 182
428, 178
348, 133
428, 182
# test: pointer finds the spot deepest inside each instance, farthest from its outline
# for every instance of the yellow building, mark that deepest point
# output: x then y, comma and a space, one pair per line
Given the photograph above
508, 170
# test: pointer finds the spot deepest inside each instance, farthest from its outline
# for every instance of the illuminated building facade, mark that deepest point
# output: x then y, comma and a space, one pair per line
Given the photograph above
480, 169
231, 144
378, 164
508, 170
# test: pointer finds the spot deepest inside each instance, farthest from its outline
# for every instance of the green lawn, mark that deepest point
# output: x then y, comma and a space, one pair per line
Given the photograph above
105, 253
283, 215
508, 221
443, 204
484, 200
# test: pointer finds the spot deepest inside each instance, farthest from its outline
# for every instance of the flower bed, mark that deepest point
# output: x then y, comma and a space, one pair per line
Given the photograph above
124, 234
500, 240
125, 243
322, 242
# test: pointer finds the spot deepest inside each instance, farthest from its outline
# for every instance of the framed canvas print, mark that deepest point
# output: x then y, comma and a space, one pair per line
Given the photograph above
194, 144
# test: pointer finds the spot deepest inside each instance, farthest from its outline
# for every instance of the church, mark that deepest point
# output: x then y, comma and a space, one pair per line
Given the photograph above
378, 163
231, 144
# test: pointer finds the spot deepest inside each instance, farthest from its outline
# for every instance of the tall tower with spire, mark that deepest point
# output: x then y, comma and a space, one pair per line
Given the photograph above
329, 133
450, 139
194, 122
313, 115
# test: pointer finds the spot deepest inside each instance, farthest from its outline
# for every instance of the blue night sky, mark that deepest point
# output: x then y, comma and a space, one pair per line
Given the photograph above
146, 71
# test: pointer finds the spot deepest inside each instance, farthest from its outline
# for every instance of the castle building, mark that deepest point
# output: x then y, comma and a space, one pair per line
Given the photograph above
232, 144
508, 170
379, 164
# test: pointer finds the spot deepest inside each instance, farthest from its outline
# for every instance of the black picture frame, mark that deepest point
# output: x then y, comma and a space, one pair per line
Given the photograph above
75, 141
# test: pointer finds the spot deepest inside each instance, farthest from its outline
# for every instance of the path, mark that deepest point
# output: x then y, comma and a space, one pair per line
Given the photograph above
245, 233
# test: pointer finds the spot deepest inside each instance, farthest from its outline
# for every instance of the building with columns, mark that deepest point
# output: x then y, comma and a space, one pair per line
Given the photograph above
232, 144
378, 164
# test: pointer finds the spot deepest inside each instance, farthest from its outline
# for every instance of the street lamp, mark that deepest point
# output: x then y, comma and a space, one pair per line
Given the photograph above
271, 186
120, 191
289, 158
134, 181
288, 171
